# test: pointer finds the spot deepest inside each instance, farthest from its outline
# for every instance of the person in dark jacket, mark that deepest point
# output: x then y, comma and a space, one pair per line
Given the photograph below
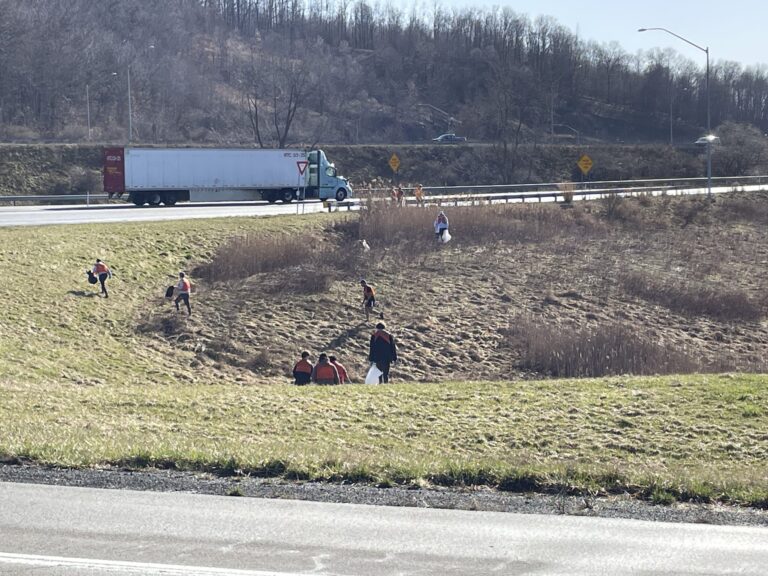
325, 372
382, 351
302, 370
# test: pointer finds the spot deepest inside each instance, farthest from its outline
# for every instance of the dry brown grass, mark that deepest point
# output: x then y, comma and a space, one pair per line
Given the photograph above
584, 352
255, 253
745, 208
382, 225
639, 273
289, 263
693, 299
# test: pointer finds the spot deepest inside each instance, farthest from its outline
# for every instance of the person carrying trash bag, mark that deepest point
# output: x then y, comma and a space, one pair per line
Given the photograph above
325, 372
102, 272
183, 288
382, 351
441, 227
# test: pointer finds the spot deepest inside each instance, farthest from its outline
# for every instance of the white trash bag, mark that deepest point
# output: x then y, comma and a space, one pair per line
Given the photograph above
373, 375
446, 237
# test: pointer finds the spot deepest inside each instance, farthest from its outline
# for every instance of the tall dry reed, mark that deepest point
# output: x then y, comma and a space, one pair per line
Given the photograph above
584, 352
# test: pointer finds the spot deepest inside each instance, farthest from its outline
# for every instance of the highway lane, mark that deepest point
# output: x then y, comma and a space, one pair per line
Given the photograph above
64, 531
103, 213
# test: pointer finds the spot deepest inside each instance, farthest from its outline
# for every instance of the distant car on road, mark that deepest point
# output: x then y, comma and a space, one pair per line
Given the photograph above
449, 139
707, 140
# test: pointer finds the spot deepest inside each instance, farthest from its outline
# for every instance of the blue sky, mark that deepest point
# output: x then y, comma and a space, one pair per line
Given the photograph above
735, 30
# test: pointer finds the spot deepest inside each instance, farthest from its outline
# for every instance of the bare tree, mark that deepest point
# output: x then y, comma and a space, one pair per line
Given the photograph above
277, 87
511, 102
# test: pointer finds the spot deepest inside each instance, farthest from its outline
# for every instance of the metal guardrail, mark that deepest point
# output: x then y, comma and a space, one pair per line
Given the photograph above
39, 199
561, 190
561, 195
668, 183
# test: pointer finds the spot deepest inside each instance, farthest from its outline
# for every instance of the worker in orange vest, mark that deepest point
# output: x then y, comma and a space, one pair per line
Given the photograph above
325, 372
369, 298
183, 288
102, 272
418, 193
343, 376
302, 370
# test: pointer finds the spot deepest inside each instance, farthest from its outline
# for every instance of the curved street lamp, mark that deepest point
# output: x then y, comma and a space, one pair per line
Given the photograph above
572, 129
709, 129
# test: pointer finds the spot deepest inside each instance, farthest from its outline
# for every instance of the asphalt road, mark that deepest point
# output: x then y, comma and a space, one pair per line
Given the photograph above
79, 214
65, 531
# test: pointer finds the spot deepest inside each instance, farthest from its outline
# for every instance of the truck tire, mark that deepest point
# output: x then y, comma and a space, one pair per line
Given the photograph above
287, 195
341, 195
154, 199
169, 199
138, 199
270, 196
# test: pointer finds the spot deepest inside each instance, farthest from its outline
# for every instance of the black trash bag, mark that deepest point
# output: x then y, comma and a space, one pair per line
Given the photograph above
169, 291
91, 277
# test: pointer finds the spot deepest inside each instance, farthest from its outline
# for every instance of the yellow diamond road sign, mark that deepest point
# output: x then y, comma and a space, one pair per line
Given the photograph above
394, 162
585, 163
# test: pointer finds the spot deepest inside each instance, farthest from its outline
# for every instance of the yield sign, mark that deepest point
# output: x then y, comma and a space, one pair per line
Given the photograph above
302, 166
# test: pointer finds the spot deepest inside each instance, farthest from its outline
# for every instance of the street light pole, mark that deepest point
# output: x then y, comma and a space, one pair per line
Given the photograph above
709, 127
671, 94
88, 110
709, 133
130, 114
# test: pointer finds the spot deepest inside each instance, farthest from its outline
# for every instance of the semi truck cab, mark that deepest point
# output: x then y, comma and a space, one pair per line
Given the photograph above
324, 179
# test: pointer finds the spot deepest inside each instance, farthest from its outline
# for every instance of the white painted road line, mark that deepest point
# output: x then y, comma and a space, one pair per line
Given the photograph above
142, 568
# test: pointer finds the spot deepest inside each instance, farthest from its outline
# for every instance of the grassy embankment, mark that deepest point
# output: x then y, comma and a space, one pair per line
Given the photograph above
79, 386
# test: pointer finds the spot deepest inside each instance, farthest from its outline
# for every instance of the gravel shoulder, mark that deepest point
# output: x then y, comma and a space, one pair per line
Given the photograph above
480, 499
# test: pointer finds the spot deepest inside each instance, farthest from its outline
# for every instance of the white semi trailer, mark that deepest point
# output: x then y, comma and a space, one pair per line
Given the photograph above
157, 176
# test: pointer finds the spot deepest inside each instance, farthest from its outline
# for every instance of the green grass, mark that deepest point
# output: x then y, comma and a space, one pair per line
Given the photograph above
53, 327
79, 386
681, 437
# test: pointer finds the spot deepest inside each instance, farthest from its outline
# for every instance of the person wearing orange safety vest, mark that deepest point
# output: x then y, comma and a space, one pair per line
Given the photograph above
418, 193
369, 298
183, 288
302, 370
325, 372
343, 376
382, 351
102, 272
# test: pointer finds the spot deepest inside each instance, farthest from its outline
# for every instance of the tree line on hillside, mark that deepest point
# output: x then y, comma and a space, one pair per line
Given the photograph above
284, 72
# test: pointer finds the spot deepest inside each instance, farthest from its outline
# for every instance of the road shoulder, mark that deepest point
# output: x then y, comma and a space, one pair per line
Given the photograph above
481, 499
